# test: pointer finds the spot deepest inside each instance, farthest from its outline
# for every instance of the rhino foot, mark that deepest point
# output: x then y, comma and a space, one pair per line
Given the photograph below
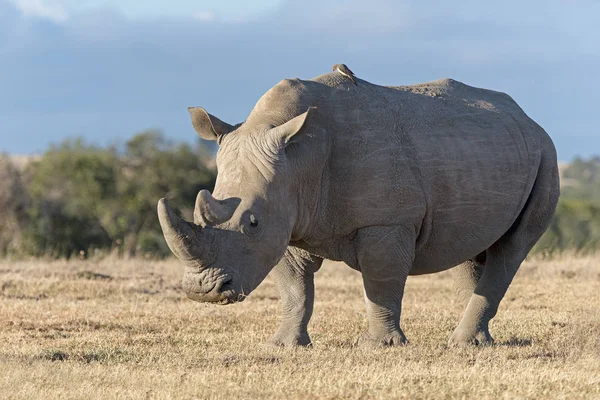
395, 338
461, 338
290, 339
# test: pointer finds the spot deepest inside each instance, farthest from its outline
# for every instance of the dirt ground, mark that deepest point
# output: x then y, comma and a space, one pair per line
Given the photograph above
124, 329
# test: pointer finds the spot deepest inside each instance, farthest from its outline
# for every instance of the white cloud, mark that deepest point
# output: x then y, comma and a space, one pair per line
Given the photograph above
41, 9
204, 16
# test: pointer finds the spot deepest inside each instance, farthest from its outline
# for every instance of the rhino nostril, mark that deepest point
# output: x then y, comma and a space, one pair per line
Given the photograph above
224, 284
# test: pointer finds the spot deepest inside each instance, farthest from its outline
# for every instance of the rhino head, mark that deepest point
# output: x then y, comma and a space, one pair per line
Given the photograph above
259, 204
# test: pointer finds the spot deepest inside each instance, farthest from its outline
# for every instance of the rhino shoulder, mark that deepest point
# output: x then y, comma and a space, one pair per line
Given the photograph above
287, 99
285, 87
286, 91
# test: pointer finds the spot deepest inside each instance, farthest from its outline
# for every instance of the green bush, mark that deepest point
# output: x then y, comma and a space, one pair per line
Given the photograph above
86, 197
14, 203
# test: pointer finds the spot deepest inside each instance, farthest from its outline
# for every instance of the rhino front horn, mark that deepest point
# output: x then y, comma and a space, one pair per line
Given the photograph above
183, 238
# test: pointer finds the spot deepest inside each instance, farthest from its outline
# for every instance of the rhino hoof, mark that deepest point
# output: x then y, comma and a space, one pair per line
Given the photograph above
460, 339
396, 338
296, 340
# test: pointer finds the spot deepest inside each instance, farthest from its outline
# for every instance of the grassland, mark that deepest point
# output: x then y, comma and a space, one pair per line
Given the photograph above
124, 329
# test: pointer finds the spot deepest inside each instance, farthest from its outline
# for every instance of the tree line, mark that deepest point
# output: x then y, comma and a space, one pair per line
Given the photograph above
576, 224
79, 199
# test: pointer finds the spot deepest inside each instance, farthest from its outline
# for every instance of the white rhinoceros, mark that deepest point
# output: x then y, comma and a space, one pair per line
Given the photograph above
393, 181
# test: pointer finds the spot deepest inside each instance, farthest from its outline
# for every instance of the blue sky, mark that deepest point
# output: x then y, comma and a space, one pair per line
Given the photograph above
106, 70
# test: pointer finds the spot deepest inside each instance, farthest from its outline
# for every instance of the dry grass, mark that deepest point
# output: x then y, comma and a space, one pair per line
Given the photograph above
118, 329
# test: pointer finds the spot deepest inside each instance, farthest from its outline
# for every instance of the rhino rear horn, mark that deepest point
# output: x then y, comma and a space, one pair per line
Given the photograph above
210, 211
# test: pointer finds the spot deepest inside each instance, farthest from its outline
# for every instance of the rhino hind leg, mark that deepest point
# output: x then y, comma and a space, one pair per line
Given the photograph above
504, 258
466, 276
294, 277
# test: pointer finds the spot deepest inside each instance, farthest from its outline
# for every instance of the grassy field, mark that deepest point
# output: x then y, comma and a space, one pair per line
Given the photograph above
124, 329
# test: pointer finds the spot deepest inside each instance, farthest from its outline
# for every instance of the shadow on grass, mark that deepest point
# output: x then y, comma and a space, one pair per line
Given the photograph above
516, 342
93, 276
54, 355
101, 356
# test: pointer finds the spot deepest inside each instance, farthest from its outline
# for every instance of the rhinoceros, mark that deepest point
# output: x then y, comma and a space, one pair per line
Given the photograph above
393, 181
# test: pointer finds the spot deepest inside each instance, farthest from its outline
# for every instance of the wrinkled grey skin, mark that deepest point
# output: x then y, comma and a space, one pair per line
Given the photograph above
394, 181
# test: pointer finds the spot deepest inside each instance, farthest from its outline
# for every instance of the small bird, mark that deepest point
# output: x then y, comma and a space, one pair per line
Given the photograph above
344, 70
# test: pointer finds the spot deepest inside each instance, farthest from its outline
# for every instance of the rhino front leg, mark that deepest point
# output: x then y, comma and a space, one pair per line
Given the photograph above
294, 276
385, 258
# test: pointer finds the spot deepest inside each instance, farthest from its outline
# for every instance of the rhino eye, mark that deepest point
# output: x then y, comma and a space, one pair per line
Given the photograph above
251, 227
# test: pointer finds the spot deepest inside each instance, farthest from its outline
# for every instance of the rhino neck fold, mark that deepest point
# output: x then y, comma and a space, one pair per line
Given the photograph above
312, 199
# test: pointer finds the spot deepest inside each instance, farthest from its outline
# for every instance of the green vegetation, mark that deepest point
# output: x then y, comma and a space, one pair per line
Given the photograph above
576, 224
79, 199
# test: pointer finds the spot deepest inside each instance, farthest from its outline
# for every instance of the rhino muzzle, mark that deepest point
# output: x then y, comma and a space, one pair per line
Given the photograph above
220, 291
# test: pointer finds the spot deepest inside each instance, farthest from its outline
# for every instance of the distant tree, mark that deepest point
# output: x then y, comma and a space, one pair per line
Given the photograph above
69, 187
581, 179
14, 201
87, 197
576, 224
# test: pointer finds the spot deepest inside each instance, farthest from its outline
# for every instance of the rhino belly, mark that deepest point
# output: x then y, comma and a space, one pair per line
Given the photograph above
462, 224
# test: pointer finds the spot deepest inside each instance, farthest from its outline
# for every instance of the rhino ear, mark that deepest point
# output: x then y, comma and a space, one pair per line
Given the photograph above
294, 127
208, 126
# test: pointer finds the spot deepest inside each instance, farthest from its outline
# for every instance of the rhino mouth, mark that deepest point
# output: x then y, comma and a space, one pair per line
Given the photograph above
222, 291
229, 291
